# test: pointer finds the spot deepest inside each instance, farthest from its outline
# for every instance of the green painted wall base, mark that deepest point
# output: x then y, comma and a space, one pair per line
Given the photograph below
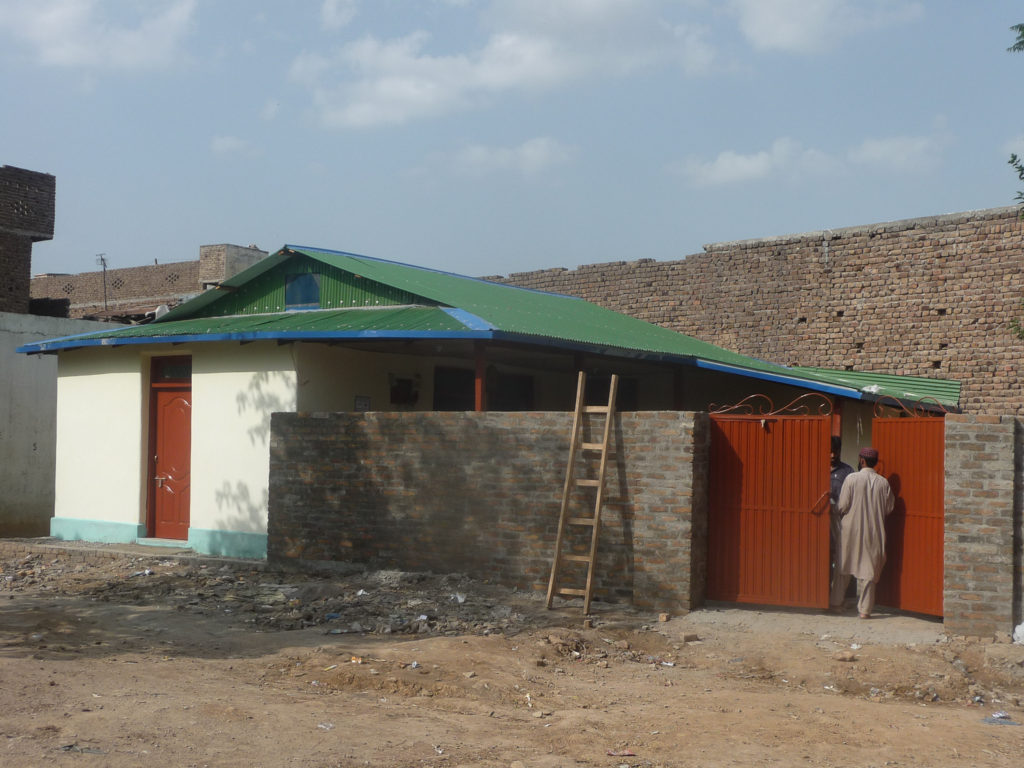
252, 546
73, 529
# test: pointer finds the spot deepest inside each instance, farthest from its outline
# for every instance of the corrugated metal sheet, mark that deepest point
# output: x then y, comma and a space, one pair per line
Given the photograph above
265, 293
912, 454
488, 311
910, 389
403, 321
768, 537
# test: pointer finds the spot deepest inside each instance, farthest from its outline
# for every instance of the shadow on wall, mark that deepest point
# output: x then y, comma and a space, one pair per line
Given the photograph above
242, 511
261, 398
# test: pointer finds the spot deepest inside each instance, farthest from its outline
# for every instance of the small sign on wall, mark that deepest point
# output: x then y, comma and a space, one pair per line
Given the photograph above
362, 404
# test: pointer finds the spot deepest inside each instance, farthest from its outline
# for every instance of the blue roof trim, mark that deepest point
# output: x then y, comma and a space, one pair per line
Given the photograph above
848, 392
468, 319
107, 341
74, 342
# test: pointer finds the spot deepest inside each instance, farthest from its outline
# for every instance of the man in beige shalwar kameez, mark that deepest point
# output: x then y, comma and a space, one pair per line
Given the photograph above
864, 502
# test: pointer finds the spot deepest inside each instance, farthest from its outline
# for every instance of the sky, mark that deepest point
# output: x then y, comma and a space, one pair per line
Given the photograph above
488, 137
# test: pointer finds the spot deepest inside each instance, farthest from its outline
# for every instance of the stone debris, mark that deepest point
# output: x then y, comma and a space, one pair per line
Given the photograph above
370, 601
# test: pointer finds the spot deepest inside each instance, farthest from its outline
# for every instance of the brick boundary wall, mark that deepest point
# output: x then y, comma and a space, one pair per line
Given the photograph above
981, 520
126, 287
479, 493
923, 297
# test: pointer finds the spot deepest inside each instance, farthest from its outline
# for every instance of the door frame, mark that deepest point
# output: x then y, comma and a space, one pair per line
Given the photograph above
159, 383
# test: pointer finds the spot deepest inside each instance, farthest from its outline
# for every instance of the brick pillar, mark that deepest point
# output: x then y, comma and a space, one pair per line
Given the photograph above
978, 593
26, 216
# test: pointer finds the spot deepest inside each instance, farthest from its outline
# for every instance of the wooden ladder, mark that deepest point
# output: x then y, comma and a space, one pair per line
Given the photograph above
589, 451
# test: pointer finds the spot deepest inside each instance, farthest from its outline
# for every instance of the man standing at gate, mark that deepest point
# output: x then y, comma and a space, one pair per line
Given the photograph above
864, 502
839, 471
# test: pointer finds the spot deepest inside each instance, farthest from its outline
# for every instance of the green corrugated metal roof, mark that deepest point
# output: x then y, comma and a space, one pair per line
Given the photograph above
479, 309
499, 308
385, 321
909, 389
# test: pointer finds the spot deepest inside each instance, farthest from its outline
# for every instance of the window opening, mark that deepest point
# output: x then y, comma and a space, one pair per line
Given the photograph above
302, 291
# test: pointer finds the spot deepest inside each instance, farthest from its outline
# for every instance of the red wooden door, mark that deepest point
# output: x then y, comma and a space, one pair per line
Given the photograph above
171, 449
768, 524
912, 457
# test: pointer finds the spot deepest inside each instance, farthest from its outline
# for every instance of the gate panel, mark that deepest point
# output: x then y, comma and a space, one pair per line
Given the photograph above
768, 527
911, 456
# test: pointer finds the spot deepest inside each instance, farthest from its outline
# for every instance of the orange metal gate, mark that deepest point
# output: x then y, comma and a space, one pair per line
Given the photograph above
911, 455
768, 523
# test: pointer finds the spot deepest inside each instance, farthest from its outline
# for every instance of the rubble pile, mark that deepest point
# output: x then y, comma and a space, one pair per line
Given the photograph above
372, 601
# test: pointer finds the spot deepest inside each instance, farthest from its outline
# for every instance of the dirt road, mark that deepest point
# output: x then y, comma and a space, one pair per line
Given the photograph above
156, 658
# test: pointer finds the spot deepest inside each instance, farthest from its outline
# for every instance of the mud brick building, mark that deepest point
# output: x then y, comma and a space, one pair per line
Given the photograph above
930, 296
26, 217
132, 293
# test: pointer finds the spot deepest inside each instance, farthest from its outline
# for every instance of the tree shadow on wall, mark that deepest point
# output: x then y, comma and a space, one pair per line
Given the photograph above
240, 512
258, 400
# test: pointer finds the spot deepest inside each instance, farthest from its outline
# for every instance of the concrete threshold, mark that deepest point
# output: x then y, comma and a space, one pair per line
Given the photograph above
173, 543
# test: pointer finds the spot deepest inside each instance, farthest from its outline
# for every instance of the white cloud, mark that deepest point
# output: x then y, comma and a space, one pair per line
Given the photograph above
529, 158
732, 167
901, 153
81, 33
398, 82
534, 45
812, 26
787, 159
336, 14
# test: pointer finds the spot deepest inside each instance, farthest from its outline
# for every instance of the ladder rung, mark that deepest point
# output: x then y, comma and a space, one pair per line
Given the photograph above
574, 592
592, 446
596, 409
581, 520
577, 558
589, 483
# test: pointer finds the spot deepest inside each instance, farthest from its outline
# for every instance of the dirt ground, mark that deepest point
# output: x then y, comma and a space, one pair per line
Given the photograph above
159, 658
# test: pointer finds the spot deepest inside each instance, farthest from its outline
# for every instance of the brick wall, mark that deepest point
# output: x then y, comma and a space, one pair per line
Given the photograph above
126, 288
130, 290
921, 297
479, 493
15, 261
27, 200
982, 517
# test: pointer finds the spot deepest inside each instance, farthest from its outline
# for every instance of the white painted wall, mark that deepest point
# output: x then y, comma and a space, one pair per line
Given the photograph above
331, 378
28, 421
234, 391
101, 435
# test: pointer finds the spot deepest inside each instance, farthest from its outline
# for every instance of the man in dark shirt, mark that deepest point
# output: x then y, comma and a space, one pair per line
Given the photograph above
839, 473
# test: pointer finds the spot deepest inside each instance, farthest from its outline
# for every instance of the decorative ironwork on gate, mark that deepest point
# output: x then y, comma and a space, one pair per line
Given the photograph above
926, 406
808, 404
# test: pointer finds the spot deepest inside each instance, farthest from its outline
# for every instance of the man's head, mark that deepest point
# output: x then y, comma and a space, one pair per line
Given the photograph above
869, 456
837, 448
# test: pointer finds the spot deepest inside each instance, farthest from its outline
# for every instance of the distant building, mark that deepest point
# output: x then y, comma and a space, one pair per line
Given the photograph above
136, 294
